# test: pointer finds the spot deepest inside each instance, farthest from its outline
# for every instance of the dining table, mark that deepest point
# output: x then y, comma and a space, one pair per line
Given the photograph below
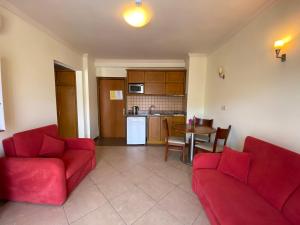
193, 130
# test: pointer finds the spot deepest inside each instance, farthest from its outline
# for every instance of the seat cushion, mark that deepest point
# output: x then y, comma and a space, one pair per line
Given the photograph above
52, 147
209, 146
74, 160
176, 140
235, 164
233, 202
204, 138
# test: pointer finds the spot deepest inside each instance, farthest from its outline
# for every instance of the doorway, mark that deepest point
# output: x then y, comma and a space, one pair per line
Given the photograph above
66, 103
111, 103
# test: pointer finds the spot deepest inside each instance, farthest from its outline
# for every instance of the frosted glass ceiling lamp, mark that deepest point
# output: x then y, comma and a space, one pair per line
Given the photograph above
137, 15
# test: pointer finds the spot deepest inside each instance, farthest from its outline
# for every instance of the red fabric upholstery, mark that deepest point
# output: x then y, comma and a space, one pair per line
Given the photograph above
271, 196
52, 147
9, 147
80, 143
233, 202
291, 209
42, 180
275, 171
206, 161
29, 143
235, 164
36, 180
74, 160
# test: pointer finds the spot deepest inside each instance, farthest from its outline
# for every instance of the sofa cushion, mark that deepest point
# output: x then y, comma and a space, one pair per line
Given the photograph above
274, 171
74, 160
52, 147
291, 209
28, 143
233, 202
235, 164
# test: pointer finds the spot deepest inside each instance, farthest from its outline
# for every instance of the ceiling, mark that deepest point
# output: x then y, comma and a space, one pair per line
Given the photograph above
177, 28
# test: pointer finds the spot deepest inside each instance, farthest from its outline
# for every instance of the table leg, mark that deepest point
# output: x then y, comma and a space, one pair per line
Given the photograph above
191, 156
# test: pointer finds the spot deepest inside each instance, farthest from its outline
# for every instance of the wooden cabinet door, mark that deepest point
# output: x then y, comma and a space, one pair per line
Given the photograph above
175, 76
135, 76
175, 89
155, 76
163, 133
178, 120
155, 89
154, 130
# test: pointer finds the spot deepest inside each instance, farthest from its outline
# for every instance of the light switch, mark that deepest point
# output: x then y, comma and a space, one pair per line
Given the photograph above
223, 107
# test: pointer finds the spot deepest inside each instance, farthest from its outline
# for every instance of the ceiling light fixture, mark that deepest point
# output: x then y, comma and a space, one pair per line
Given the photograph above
137, 15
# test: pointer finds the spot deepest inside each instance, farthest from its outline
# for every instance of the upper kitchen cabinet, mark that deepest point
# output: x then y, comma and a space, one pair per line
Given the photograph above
155, 77
155, 89
175, 76
175, 83
135, 76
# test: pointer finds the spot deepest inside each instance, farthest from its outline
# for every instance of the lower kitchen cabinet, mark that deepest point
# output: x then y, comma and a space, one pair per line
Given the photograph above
156, 129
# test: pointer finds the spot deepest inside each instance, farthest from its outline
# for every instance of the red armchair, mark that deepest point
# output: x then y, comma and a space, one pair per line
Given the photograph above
269, 196
27, 177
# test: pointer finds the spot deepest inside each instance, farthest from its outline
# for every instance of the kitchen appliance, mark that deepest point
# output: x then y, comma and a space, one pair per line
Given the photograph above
135, 110
136, 88
136, 130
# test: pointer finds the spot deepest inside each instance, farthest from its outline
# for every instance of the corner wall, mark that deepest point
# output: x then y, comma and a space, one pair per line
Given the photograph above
261, 95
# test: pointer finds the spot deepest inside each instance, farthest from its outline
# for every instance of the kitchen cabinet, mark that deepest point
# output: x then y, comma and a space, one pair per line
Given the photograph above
155, 77
156, 128
175, 89
155, 89
175, 76
136, 76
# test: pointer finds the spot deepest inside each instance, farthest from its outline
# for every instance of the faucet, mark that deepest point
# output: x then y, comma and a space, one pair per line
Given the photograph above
151, 108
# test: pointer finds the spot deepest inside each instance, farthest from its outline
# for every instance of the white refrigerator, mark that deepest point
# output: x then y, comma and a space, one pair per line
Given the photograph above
136, 130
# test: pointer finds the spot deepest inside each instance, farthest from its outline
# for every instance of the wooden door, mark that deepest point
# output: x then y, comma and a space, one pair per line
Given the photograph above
112, 119
66, 103
154, 130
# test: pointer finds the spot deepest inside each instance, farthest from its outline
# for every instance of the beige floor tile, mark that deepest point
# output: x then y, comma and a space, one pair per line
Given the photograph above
12, 213
157, 216
137, 174
156, 187
132, 204
101, 172
202, 219
105, 215
115, 185
181, 205
83, 200
172, 174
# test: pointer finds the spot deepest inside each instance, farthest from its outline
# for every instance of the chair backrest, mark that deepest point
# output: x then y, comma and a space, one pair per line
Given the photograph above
203, 122
166, 127
221, 134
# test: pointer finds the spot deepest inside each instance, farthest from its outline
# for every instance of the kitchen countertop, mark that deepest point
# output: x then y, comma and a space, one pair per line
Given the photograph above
156, 113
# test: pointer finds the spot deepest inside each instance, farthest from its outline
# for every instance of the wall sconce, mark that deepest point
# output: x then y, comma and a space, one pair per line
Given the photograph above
278, 46
221, 73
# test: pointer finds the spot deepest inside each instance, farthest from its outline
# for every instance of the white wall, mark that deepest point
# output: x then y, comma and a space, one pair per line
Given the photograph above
196, 78
261, 94
28, 56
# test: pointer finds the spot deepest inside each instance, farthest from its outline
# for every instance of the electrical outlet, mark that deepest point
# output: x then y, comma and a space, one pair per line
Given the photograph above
223, 107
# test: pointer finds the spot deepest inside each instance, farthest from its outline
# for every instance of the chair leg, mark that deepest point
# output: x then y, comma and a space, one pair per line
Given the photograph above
183, 153
166, 152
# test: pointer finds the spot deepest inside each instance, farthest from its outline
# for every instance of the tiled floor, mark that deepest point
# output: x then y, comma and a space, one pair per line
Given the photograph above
130, 185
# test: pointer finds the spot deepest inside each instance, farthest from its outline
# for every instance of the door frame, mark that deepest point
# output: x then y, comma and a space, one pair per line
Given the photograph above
98, 99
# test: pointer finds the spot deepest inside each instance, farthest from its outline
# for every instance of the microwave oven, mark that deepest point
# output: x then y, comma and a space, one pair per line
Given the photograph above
136, 88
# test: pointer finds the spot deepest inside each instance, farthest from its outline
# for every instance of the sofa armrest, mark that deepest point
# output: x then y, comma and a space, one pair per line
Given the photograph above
36, 180
206, 161
80, 143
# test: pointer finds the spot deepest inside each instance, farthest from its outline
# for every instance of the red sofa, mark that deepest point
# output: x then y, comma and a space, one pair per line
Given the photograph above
27, 177
271, 195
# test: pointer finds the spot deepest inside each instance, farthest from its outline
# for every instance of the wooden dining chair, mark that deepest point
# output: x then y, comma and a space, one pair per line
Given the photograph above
204, 123
173, 143
221, 135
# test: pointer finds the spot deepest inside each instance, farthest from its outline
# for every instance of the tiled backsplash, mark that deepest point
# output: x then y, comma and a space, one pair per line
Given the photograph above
168, 103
